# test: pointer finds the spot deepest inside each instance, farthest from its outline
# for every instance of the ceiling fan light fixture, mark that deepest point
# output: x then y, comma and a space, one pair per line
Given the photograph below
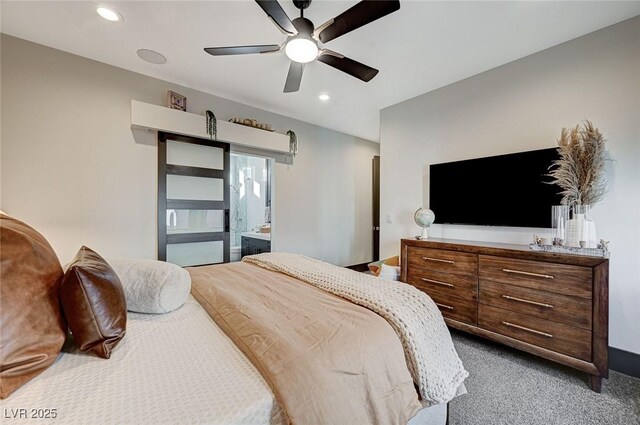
301, 49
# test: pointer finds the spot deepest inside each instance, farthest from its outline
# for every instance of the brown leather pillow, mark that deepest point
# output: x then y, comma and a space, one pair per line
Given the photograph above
33, 329
93, 303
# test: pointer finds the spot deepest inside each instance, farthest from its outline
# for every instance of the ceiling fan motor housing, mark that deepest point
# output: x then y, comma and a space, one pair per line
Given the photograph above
303, 25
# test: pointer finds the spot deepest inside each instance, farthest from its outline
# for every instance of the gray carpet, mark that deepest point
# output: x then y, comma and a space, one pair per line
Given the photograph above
513, 388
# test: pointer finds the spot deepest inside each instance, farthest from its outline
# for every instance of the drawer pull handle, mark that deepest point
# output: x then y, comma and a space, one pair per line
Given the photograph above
438, 260
509, 297
546, 276
527, 329
448, 307
437, 282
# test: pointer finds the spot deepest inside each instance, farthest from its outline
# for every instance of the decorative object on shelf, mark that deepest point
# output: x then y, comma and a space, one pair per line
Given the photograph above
588, 236
600, 251
212, 125
249, 122
293, 142
176, 101
559, 219
581, 229
539, 240
424, 218
603, 245
580, 170
580, 174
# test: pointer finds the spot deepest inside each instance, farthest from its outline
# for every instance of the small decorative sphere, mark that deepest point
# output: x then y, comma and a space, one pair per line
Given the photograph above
424, 217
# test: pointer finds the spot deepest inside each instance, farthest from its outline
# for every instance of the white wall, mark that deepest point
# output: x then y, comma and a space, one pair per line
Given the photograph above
522, 106
72, 167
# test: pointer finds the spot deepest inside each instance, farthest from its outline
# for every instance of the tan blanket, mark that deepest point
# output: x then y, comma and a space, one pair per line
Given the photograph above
431, 356
327, 360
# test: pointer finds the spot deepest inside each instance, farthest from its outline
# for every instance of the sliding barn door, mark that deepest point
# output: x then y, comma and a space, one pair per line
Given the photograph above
193, 200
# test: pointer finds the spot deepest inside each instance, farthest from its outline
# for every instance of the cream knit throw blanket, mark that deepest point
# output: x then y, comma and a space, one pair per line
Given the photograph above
431, 357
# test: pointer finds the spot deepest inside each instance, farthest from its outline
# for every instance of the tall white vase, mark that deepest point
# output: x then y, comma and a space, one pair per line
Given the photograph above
581, 228
574, 230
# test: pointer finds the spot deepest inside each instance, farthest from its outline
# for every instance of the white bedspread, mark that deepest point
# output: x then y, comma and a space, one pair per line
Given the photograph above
175, 368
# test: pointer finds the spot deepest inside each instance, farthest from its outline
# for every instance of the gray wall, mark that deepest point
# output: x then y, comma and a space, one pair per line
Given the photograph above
72, 167
522, 106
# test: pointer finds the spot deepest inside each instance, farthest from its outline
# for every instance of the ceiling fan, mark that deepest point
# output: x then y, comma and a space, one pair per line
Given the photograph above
304, 41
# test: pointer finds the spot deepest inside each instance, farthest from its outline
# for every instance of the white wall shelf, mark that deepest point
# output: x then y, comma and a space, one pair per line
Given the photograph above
159, 118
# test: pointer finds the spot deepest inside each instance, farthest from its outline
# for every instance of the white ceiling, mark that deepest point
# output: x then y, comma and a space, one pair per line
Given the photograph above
423, 46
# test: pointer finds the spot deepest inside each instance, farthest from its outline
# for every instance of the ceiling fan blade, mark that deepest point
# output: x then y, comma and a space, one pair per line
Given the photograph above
279, 17
359, 15
242, 50
344, 64
294, 77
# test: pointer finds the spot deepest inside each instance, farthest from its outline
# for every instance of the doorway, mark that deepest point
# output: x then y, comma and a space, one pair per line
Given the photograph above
250, 202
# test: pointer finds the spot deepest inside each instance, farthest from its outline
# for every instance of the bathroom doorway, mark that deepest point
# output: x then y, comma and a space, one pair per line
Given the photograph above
250, 213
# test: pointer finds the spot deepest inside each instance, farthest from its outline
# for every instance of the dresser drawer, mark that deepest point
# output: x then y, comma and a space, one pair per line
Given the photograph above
445, 283
462, 310
574, 311
559, 278
569, 340
444, 261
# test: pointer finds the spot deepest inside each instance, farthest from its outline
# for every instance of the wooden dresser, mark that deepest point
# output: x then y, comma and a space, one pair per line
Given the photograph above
552, 305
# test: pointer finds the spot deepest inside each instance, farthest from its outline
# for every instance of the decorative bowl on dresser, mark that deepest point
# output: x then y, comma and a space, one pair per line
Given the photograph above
551, 305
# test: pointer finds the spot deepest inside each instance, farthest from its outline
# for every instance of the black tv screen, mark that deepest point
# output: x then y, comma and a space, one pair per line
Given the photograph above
506, 190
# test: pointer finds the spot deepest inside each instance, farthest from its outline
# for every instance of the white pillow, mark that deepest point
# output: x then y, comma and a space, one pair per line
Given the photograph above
152, 286
389, 272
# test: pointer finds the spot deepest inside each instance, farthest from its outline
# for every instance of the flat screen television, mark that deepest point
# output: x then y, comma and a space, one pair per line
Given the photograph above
505, 190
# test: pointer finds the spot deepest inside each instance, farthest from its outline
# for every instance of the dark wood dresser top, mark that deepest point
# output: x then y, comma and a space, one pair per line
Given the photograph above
505, 250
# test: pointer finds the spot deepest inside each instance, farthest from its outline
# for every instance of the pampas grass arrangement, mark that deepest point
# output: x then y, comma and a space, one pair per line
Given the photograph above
580, 170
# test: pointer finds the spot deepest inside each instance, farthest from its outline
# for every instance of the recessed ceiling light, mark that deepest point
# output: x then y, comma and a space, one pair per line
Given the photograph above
324, 97
151, 56
109, 14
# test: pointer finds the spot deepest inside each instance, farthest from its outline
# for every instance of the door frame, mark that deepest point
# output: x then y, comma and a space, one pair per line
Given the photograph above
375, 177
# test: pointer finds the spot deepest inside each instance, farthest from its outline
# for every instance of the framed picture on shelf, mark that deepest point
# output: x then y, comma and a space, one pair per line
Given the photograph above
176, 101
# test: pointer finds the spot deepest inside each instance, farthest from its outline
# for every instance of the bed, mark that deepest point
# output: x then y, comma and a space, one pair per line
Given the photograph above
175, 368
276, 339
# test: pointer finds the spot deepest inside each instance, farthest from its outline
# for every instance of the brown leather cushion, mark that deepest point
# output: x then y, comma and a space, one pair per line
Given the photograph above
33, 329
93, 303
